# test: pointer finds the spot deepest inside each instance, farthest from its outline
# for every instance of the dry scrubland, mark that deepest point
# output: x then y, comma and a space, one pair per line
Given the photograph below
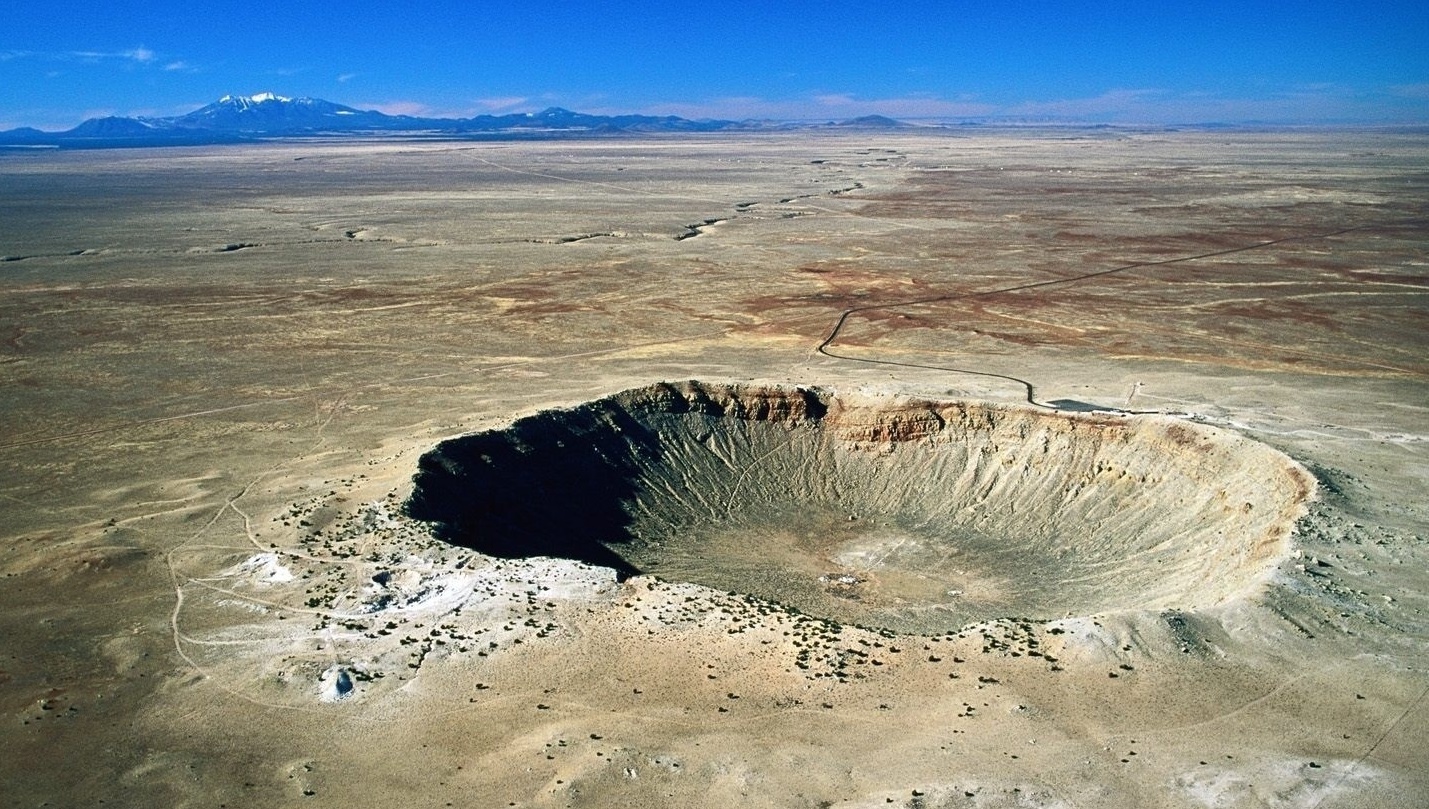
1108, 490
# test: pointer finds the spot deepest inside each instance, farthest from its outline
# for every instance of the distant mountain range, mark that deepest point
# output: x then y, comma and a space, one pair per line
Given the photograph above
236, 119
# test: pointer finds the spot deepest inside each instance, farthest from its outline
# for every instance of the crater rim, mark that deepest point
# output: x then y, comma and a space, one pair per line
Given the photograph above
791, 493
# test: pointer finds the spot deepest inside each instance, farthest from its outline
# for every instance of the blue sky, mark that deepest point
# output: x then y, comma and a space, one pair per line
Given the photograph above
62, 61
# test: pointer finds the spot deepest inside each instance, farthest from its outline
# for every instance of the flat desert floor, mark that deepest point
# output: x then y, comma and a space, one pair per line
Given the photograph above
220, 368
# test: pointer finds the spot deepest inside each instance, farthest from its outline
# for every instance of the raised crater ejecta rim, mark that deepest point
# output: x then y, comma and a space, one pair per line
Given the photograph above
910, 514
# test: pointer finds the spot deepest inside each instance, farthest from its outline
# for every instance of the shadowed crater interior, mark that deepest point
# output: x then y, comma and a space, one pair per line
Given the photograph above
908, 514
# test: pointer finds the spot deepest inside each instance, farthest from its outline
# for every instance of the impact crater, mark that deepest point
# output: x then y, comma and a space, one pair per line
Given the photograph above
890, 511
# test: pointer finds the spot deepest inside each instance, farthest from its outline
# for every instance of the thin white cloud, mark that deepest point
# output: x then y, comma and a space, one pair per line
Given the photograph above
845, 105
501, 103
825, 106
346, 77
133, 56
139, 55
416, 109
420, 109
735, 108
399, 108
1112, 103
1308, 103
1411, 90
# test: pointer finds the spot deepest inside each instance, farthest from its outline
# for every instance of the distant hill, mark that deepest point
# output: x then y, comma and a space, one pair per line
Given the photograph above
237, 119
25, 134
111, 127
872, 122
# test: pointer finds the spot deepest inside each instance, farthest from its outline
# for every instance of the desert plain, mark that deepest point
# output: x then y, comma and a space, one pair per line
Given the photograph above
918, 468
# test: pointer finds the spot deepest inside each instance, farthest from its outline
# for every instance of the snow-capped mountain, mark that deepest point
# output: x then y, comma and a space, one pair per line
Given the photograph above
254, 100
268, 113
235, 118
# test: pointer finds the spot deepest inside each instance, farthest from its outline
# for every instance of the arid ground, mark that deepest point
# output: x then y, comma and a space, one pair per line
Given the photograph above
1026, 469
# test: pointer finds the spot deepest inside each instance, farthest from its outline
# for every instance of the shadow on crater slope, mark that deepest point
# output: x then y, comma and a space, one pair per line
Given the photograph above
913, 515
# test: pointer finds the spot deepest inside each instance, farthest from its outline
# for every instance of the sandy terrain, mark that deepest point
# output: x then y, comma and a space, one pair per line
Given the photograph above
1028, 469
